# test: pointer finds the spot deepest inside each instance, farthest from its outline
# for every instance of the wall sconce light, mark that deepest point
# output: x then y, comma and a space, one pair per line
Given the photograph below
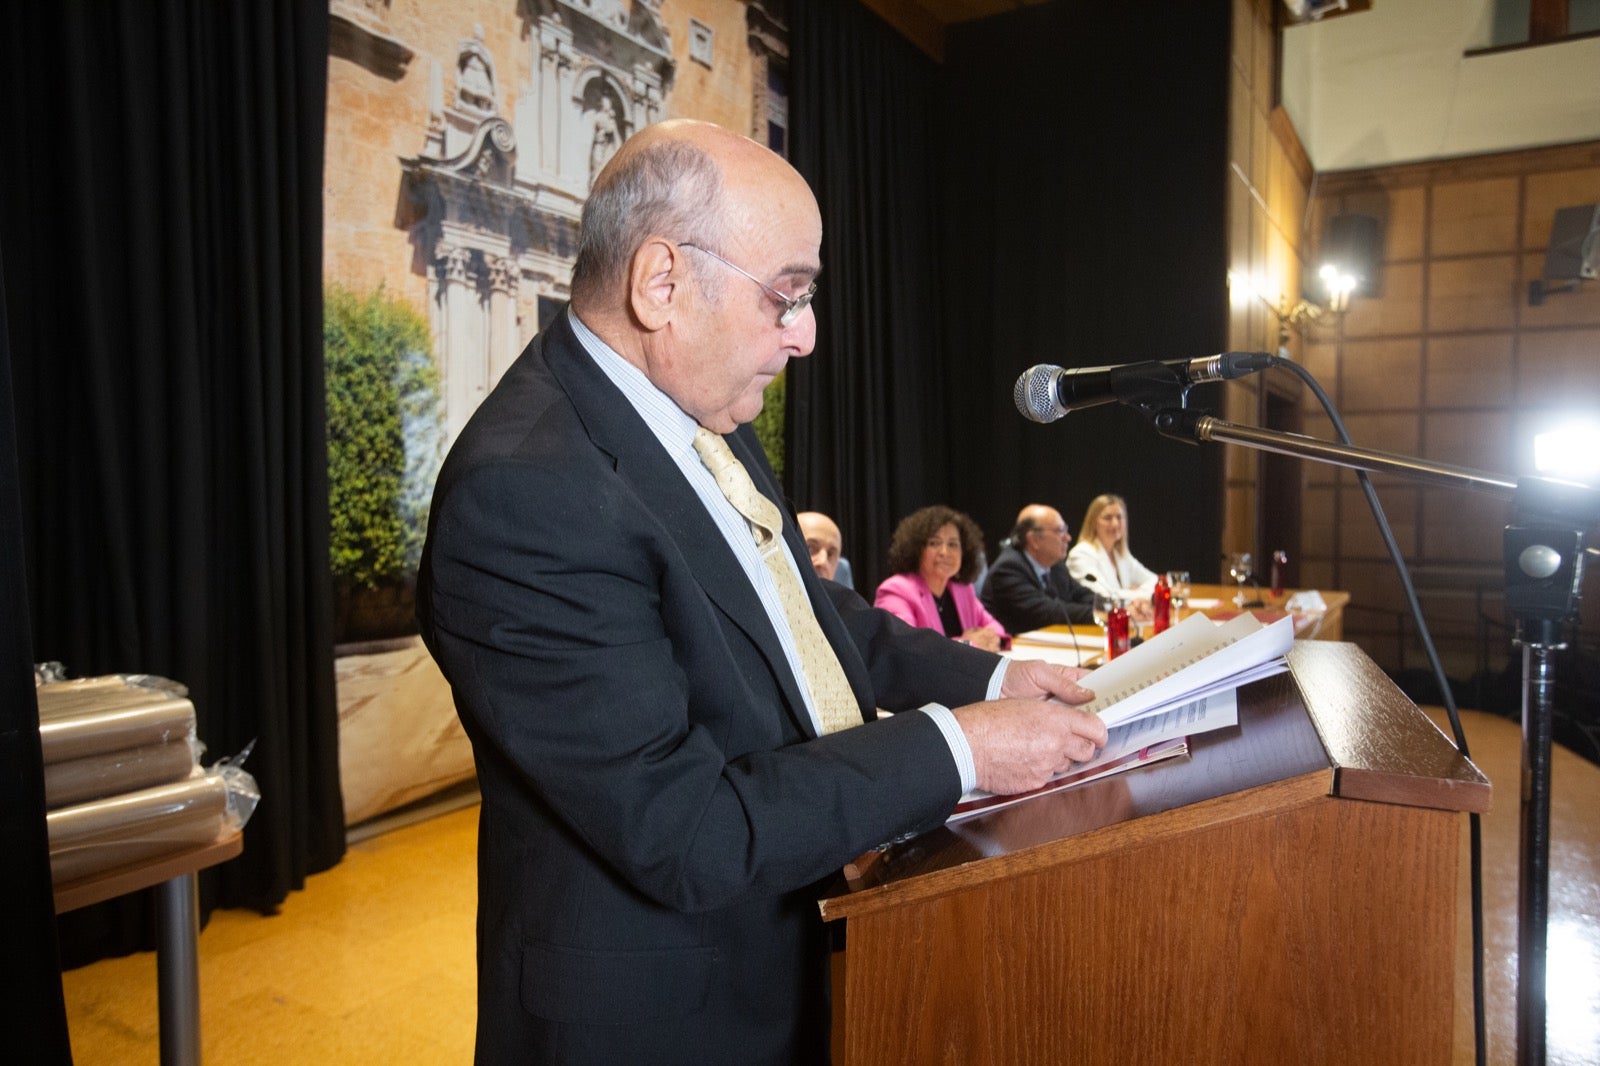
1291, 317
1351, 252
1352, 249
1573, 255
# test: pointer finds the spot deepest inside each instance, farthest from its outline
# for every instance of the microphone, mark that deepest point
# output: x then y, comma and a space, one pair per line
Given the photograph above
1045, 393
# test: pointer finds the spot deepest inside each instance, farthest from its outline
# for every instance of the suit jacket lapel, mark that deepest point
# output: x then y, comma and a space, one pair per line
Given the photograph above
617, 429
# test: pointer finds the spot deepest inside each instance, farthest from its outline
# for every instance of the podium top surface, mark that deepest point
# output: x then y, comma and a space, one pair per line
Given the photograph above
1334, 726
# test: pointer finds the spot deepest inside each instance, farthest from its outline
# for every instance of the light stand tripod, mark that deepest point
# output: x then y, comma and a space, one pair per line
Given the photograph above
1544, 554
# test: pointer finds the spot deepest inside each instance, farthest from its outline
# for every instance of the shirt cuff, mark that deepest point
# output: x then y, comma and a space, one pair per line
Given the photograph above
960, 750
997, 680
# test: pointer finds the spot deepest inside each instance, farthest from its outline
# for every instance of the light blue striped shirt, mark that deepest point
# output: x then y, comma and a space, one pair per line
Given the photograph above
675, 430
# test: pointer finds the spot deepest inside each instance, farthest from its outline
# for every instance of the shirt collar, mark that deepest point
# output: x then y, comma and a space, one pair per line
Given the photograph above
671, 425
1038, 571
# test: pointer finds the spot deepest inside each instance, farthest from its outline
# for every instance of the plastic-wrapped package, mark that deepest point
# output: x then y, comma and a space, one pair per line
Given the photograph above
78, 719
88, 838
97, 776
54, 673
104, 834
123, 781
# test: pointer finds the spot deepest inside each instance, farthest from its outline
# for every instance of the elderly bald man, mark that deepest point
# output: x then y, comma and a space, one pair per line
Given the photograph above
823, 541
672, 717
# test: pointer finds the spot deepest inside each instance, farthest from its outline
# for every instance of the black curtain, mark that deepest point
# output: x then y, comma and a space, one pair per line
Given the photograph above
1053, 192
868, 419
1085, 179
162, 224
34, 1014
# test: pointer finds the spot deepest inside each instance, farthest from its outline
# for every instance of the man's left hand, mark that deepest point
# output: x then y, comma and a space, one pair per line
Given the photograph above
1037, 679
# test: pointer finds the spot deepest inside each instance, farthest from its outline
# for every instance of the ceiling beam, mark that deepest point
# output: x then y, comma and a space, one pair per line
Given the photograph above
914, 22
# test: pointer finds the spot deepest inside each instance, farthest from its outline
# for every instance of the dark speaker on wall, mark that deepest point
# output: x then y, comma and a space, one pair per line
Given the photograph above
1573, 255
1574, 250
1353, 245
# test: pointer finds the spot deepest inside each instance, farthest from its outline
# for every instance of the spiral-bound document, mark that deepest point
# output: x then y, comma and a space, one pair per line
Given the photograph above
1154, 697
1194, 658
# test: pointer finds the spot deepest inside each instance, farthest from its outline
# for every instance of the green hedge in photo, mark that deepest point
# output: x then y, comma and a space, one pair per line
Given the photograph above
385, 435
769, 424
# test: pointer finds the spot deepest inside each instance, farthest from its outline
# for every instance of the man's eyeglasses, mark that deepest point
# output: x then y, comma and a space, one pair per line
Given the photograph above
792, 305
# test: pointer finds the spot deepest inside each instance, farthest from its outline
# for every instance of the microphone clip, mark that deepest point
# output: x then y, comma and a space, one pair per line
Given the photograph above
1151, 387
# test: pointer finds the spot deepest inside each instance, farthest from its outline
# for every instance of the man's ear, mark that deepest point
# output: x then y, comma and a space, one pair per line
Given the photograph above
656, 278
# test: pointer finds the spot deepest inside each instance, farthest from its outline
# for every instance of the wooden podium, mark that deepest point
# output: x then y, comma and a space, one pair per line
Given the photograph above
1285, 894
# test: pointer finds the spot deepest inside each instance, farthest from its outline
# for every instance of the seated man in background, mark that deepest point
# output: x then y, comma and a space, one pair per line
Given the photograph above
825, 543
1028, 586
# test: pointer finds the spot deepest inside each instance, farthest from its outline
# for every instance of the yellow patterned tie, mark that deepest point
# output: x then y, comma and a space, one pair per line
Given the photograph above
830, 689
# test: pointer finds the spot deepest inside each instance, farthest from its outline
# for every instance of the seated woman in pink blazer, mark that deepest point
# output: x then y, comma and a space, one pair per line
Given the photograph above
934, 555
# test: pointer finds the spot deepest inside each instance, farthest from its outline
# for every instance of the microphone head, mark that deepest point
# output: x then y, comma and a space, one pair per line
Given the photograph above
1035, 394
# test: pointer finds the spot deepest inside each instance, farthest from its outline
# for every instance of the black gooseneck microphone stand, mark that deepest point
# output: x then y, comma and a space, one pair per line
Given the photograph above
1544, 555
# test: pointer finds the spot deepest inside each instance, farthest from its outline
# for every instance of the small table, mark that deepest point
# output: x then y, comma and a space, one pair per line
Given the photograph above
177, 931
1086, 641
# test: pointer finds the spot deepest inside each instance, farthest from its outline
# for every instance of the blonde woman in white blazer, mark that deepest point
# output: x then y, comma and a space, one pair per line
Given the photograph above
1101, 560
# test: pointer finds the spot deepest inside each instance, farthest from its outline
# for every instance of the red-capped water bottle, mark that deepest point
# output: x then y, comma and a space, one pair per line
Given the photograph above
1161, 604
1117, 639
1280, 563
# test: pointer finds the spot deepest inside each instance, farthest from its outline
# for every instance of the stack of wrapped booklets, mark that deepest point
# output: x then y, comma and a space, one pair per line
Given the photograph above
1153, 698
123, 781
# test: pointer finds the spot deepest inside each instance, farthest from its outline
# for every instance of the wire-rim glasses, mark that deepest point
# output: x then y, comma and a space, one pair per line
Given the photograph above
792, 305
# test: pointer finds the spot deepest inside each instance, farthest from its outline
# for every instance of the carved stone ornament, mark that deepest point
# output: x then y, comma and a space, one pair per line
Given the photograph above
358, 32
475, 83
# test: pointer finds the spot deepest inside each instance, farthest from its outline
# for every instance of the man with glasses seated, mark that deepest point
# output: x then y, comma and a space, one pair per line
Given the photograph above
1028, 586
673, 719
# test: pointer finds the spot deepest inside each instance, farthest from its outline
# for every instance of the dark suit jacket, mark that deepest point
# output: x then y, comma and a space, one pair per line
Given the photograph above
656, 811
1014, 596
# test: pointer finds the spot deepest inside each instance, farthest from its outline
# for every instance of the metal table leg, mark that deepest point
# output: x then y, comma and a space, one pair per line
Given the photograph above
178, 969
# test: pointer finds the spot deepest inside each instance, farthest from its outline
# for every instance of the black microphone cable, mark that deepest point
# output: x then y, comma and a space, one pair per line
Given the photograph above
1077, 645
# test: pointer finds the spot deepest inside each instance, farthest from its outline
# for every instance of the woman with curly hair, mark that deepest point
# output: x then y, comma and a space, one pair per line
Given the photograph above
934, 555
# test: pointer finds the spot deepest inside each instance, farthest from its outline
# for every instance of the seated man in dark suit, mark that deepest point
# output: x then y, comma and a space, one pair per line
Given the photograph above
672, 717
1028, 586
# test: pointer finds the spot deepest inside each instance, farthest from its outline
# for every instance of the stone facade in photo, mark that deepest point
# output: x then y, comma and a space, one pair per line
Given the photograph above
462, 140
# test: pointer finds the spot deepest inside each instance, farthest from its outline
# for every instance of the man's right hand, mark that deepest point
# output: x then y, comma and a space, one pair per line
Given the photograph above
1019, 744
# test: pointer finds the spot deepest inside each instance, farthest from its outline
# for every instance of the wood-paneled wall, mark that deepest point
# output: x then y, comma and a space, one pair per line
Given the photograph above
1447, 360
1450, 362
1269, 180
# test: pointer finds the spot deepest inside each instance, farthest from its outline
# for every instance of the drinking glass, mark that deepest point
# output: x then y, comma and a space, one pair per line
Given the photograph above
1102, 607
1239, 568
1178, 581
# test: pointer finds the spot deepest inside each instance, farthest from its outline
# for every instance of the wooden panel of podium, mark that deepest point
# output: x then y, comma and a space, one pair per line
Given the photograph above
1285, 894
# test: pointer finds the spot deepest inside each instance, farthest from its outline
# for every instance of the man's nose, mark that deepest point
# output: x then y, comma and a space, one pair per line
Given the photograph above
801, 334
